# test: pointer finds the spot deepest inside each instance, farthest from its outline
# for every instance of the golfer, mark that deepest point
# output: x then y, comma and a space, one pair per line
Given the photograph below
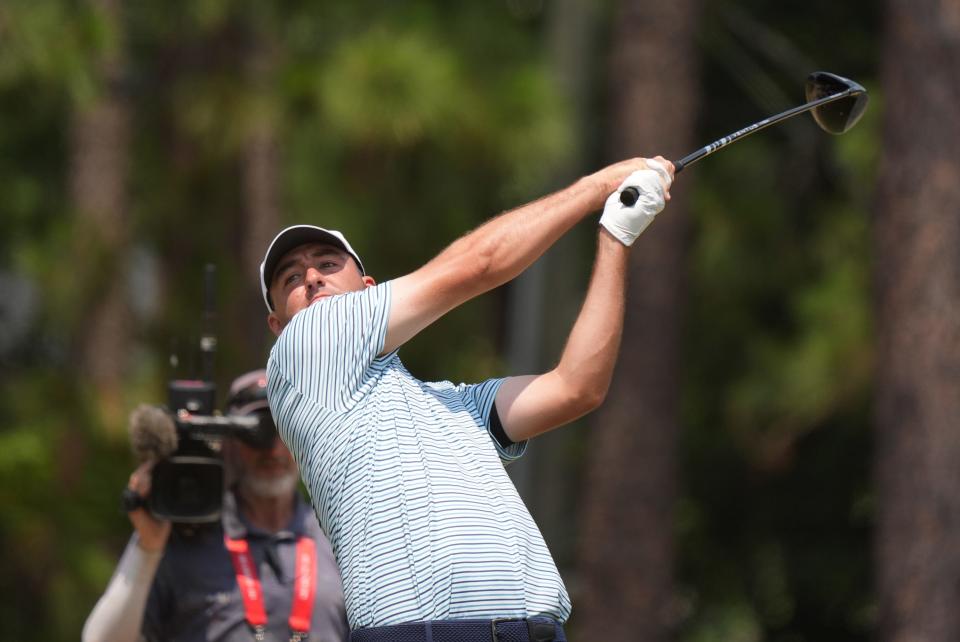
406, 477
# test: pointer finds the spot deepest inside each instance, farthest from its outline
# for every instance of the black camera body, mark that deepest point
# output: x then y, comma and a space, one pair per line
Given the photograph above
187, 486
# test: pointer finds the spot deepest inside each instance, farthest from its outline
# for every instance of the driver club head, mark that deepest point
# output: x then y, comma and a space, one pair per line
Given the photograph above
837, 103
841, 115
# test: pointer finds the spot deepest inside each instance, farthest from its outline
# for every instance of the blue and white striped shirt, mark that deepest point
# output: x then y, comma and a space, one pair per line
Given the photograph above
404, 476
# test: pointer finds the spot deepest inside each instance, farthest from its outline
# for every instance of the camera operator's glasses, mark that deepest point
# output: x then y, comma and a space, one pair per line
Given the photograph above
261, 437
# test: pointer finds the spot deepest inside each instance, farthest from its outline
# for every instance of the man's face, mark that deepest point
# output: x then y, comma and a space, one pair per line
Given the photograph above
264, 472
307, 274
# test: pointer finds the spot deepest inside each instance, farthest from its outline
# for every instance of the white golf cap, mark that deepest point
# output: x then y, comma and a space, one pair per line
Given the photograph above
292, 237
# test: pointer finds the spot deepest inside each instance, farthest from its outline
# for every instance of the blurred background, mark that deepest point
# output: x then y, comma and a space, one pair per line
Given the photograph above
778, 459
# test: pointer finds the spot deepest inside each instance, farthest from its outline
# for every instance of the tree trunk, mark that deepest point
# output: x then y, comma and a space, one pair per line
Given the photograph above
261, 205
627, 533
917, 271
99, 140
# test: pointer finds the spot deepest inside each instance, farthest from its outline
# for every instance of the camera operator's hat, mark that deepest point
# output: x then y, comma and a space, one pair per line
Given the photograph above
248, 393
248, 397
296, 236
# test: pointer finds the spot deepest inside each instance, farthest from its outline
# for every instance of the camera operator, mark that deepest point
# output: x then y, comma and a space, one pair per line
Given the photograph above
183, 583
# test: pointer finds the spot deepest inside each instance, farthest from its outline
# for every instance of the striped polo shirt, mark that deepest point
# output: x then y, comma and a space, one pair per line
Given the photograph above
404, 476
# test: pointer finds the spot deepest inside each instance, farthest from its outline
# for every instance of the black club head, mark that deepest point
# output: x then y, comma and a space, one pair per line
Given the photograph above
838, 116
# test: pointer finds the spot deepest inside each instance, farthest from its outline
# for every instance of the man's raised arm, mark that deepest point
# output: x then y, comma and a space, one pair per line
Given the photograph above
496, 252
530, 405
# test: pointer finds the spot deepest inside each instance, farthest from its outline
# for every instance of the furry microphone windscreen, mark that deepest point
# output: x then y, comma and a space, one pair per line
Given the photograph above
153, 434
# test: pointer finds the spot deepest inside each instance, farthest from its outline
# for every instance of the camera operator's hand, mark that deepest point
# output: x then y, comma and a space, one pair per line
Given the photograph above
152, 532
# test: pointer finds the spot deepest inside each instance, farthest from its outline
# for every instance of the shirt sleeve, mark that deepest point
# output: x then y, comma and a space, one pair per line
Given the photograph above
119, 612
326, 349
479, 397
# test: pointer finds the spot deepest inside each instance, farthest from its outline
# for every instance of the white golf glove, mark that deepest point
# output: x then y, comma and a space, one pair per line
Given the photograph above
626, 222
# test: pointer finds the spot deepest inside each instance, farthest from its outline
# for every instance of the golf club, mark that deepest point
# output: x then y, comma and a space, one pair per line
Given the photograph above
837, 104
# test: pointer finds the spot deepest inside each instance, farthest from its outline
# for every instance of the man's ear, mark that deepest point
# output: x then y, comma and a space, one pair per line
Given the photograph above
276, 326
368, 281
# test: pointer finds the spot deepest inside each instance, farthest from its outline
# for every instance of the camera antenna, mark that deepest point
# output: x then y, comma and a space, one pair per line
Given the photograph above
208, 337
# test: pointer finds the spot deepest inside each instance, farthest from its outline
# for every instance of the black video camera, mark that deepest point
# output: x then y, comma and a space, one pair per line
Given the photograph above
187, 486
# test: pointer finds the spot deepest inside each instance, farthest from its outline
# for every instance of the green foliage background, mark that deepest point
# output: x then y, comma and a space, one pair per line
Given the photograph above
404, 125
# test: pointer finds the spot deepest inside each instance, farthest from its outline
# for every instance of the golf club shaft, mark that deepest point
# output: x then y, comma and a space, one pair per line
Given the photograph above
630, 194
690, 159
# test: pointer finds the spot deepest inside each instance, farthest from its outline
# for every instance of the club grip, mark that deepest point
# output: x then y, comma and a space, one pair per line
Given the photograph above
629, 195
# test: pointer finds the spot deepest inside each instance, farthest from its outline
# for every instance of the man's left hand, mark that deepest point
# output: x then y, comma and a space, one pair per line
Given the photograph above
627, 222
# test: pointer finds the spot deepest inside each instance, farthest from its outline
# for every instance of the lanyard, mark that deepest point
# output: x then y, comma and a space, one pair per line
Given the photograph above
304, 587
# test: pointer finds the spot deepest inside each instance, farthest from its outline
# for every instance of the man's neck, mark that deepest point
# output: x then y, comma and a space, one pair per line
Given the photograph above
271, 514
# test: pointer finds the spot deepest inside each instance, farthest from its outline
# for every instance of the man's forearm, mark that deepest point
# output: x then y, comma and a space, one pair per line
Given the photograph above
495, 253
504, 246
533, 404
589, 357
